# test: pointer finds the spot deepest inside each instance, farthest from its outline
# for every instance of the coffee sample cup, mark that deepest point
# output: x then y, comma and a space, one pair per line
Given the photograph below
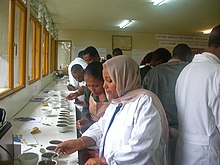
62, 128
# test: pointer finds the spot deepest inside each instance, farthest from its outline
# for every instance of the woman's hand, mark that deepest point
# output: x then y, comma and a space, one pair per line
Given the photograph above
96, 161
72, 96
71, 87
68, 147
82, 123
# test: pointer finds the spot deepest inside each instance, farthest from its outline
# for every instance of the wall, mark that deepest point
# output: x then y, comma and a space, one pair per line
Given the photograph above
141, 42
15, 102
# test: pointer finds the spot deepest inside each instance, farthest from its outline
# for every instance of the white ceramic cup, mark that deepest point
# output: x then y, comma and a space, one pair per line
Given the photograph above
48, 162
28, 158
62, 128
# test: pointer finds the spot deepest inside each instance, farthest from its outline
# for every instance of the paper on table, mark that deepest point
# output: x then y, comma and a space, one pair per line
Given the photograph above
25, 138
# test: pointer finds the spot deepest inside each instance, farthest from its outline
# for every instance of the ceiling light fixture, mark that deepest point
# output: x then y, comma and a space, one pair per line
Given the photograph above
207, 31
125, 23
158, 2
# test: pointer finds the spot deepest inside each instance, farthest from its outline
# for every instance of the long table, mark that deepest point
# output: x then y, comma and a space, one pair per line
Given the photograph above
47, 125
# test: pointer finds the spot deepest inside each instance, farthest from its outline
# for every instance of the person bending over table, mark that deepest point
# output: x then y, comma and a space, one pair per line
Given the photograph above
78, 73
98, 101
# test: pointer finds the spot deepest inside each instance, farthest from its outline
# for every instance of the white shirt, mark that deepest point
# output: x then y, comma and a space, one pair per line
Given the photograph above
198, 102
134, 136
79, 61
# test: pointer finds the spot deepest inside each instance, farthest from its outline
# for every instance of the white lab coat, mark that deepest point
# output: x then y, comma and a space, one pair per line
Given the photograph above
134, 138
198, 103
79, 61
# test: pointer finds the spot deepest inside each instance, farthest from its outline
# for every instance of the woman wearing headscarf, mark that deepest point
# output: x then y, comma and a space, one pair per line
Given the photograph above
134, 128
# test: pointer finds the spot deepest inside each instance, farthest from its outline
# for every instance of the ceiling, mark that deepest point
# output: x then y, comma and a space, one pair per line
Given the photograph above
174, 17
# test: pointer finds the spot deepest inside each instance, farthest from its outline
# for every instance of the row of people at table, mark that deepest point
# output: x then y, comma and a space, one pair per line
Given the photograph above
139, 126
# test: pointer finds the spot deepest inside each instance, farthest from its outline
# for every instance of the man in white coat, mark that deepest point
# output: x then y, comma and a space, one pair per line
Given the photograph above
73, 83
197, 96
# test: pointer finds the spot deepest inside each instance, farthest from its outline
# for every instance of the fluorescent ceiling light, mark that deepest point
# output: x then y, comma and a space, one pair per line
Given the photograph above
159, 2
125, 23
207, 31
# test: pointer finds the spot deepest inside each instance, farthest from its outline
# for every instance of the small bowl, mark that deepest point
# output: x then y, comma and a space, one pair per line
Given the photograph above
62, 128
46, 111
47, 162
66, 114
63, 115
49, 155
62, 122
72, 120
28, 158
64, 106
55, 142
63, 118
51, 148
64, 111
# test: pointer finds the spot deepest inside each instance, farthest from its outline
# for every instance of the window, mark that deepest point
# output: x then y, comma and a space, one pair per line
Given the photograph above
13, 52
64, 54
38, 50
4, 57
34, 49
19, 45
45, 57
12, 46
52, 55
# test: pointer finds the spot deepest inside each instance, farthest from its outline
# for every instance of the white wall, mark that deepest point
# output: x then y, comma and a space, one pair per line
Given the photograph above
15, 102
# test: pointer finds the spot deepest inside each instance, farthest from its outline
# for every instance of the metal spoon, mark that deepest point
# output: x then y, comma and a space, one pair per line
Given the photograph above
54, 155
51, 158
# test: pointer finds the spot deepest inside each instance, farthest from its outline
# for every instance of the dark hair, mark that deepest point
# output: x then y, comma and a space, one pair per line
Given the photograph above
94, 69
80, 54
92, 51
76, 67
214, 37
161, 54
182, 52
116, 52
108, 56
147, 58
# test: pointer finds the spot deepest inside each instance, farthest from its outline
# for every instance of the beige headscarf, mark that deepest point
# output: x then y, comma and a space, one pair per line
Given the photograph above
125, 73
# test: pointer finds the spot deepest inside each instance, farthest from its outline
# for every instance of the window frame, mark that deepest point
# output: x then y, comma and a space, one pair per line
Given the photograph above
45, 66
52, 55
22, 50
36, 49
